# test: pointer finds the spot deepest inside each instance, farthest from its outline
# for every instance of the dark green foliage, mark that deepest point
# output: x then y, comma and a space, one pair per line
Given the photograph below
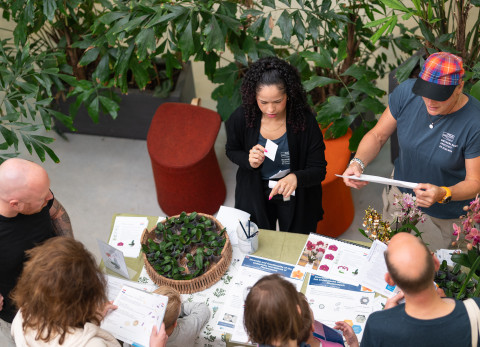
188, 239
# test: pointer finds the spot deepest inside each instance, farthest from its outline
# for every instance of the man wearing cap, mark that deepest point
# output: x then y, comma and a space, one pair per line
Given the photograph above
438, 129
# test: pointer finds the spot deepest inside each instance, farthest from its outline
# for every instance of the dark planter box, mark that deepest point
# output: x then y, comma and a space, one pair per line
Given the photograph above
136, 111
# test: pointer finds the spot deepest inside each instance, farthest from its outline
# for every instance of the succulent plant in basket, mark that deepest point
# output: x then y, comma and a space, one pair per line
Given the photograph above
186, 246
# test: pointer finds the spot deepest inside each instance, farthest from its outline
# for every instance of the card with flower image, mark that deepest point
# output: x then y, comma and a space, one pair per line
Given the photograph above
332, 258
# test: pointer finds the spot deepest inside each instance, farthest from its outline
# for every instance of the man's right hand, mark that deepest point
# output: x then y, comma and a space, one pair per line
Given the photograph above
1, 302
394, 300
356, 170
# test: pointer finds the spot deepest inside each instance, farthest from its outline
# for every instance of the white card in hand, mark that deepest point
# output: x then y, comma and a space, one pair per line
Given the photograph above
271, 150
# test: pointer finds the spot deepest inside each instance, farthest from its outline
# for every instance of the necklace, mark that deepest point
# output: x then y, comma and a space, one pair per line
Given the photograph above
273, 130
432, 123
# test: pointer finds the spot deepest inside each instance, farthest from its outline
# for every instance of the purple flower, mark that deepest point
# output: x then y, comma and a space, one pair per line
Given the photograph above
333, 247
324, 267
329, 256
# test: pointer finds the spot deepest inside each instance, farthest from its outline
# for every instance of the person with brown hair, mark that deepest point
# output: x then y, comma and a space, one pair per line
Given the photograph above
183, 321
61, 299
272, 313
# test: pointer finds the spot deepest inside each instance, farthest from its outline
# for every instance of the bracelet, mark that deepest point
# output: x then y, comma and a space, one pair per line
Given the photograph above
359, 162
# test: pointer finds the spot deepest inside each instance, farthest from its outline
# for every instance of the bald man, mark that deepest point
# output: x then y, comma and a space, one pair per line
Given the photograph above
425, 319
29, 214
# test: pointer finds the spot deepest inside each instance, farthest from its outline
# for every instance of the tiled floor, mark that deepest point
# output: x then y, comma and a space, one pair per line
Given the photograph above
100, 176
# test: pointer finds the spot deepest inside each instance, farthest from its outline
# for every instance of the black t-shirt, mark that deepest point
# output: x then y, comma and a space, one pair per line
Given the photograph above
17, 235
393, 327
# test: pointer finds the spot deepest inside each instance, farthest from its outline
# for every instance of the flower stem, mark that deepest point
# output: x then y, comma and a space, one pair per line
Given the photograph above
469, 276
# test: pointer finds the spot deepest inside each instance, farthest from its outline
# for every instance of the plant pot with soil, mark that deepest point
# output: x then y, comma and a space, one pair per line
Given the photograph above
189, 252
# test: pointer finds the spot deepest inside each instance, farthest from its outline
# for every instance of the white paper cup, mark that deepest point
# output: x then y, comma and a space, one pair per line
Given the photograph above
246, 244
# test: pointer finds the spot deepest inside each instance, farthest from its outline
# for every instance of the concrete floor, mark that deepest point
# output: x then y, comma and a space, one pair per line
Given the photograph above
100, 176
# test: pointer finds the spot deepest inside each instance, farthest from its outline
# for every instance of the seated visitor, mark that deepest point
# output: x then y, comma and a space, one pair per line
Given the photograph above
61, 299
272, 313
183, 321
425, 319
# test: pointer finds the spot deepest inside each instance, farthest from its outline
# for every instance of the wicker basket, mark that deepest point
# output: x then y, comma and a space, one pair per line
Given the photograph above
196, 284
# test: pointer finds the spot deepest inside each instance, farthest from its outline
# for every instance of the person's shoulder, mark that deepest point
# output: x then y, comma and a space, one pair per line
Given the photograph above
474, 102
385, 314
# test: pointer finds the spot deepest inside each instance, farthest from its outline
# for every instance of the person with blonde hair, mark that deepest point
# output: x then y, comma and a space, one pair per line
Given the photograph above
183, 321
61, 297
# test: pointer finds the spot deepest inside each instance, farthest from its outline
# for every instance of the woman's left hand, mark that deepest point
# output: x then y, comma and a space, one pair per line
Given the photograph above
427, 194
286, 186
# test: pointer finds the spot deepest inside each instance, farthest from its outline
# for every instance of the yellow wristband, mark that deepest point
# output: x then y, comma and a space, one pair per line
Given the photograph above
447, 197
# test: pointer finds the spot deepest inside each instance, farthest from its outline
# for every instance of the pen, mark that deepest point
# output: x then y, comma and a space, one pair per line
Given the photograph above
243, 228
248, 229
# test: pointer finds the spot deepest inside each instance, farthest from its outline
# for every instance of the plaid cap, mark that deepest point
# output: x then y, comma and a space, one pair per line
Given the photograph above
440, 75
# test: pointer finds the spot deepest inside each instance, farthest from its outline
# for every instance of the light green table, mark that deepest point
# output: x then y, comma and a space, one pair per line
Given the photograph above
275, 245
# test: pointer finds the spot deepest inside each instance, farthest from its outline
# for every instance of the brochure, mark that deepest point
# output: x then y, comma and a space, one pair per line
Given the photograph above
135, 316
332, 301
332, 258
113, 258
374, 270
253, 268
115, 284
126, 234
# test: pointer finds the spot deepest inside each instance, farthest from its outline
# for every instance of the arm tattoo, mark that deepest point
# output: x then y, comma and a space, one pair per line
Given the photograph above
60, 220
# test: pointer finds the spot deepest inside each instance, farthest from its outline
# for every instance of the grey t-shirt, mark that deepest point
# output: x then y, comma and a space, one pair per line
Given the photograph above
193, 316
282, 157
437, 155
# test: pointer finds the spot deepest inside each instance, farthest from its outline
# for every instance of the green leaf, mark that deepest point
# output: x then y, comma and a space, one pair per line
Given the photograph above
214, 39
284, 22
145, 41
185, 43
376, 22
461, 259
318, 81
367, 87
163, 17
89, 56
382, 29
475, 90
93, 110
405, 70
331, 110
111, 106
321, 59
49, 7
269, 3
396, 5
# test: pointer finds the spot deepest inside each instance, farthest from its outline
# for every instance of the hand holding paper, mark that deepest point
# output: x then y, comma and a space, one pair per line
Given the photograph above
381, 180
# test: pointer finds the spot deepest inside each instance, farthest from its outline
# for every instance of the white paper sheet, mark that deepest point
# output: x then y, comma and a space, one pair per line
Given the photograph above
446, 254
270, 150
374, 270
126, 234
113, 258
229, 217
382, 180
115, 284
135, 316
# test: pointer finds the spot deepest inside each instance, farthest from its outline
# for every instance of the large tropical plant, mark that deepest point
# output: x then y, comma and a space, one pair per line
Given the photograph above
439, 26
328, 43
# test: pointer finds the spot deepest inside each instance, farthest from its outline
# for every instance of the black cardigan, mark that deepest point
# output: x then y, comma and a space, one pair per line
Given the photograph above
307, 162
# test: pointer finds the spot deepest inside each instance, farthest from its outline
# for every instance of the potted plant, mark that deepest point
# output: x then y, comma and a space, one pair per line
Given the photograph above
190, 251
376, 228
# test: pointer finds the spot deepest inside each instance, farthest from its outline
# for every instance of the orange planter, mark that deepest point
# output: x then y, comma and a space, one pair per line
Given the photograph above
337, 199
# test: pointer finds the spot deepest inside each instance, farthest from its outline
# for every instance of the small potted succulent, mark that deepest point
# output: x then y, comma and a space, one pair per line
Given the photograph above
186, 249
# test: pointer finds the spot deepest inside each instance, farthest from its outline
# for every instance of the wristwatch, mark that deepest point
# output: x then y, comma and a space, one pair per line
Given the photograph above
447, 197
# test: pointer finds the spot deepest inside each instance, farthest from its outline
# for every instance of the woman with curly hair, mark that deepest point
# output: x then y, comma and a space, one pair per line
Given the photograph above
61, 299
274, 108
